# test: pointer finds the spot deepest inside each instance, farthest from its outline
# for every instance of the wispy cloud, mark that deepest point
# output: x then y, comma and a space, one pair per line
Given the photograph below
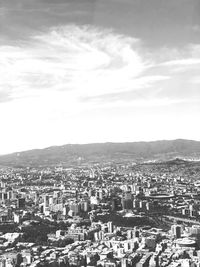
183, 62
82, 64
85, 60
186, 56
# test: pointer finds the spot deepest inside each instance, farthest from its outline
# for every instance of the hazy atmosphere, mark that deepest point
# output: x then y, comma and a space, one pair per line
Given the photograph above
86, 71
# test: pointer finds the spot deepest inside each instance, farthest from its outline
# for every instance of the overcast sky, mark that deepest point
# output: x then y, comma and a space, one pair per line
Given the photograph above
83, 71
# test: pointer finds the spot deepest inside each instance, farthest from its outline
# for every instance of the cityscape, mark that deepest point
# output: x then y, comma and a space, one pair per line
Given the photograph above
99, 133
101, 214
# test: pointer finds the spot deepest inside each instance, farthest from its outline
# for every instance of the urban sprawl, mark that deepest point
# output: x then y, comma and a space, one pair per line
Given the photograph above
106, 215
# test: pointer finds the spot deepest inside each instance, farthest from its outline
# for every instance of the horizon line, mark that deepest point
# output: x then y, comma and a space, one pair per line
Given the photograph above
107, 142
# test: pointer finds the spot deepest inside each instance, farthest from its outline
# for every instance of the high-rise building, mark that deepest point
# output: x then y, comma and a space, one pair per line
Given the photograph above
176, 230
21, 203
124, 262
110, 227
46, 201
127, 204
84, 205
128, 195
136, 203
10, 195
2, 184
130, 234
114, 204
75, 208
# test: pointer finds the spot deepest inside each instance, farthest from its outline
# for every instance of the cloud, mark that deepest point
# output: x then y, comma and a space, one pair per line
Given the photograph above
87, 66
183, 62
84, 61
188, 56
144, 102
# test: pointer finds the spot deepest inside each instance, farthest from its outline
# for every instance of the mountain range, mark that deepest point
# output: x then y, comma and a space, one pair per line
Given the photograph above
71, 154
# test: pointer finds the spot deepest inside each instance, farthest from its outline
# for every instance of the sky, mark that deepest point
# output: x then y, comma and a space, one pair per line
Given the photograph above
85, 71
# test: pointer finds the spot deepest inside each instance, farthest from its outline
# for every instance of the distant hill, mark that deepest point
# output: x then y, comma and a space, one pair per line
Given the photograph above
104, 152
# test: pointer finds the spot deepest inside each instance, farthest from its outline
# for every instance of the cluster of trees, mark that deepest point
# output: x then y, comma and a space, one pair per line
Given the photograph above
125, 221
37, 233
62, 242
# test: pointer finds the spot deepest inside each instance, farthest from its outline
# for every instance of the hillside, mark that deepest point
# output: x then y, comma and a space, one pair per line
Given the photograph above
104, 152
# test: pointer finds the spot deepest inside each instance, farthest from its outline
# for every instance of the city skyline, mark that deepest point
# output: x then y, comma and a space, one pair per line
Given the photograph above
98, 71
